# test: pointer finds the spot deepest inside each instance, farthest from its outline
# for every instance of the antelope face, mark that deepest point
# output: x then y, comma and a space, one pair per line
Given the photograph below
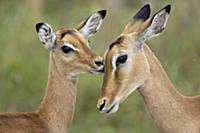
126, 69
70, 49
126, 66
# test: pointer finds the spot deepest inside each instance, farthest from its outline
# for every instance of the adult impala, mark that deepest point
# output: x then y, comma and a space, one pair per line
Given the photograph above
70, 55
131, 65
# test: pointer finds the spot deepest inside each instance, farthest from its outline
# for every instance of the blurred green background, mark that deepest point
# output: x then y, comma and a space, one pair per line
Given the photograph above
24, 61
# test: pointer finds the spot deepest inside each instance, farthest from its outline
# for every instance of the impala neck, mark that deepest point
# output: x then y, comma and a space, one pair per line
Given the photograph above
57, 107
165, 103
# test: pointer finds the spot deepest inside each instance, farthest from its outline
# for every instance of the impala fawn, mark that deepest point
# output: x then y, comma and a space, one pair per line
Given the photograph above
131, 65
70, 55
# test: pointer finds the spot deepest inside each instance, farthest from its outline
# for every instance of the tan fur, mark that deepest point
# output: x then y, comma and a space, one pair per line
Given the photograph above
136, 26
171, 111
55, 113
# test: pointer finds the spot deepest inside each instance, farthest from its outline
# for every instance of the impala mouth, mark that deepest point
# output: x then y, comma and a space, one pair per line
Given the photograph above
108, 110
97, 71
101, 70
113, 108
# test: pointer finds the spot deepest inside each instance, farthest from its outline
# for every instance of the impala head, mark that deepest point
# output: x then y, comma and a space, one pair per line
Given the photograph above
70, 48
126, 67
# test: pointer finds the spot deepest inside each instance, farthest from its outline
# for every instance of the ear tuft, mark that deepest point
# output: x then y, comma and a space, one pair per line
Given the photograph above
102, 13
143, 13
38, 26
168, 8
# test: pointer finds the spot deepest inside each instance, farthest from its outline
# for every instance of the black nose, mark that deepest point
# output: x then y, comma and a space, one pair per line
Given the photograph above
100, 66
102, 105
99, 63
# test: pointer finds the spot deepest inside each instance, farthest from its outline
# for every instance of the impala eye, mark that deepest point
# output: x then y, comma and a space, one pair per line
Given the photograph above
121, 59
66, 49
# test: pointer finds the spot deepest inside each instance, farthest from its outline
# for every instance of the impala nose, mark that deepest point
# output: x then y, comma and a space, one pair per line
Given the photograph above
104, 106
101, 105
100, 65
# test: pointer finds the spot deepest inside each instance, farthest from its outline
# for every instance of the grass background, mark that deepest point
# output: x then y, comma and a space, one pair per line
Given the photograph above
24, 61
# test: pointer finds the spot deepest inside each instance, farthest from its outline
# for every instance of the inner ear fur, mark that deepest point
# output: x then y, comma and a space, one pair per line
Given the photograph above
102, 13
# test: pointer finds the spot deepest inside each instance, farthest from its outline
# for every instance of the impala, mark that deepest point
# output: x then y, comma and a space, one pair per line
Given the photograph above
131, 65
70, 55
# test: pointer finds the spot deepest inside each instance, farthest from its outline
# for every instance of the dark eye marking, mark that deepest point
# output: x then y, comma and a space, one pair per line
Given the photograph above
66, 49
67, 32
119, 40
73, 34
113, 43
121, 59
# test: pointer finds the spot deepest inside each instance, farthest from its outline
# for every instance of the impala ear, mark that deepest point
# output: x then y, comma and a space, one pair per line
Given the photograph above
134, 25
157, 23
92, 24
46, 35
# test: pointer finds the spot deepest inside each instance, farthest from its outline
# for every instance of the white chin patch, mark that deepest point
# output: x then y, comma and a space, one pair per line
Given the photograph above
111, 109
72, 75
114, 109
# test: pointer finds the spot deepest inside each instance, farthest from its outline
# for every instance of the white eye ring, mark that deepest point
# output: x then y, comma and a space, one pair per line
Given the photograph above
71, 46
114, 59
113, 62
